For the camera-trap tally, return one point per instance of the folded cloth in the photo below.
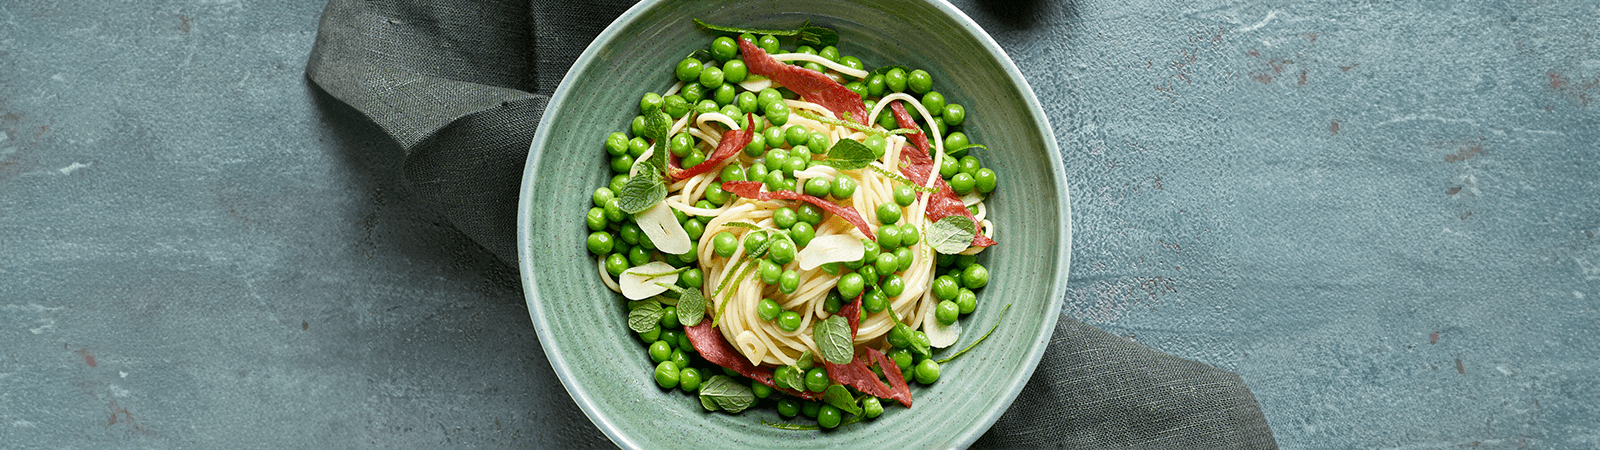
(461, 85)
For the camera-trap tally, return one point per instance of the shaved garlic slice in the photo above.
(636, 283)
(830, 249)
(664, 230)
(940, 336)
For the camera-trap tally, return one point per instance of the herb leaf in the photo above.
(691, 306)
(849, 154)
(902, 179)
(742, 225)
(951, 234)
(646, 317)
(980, 338)
(656, 125)
(833, 340)
(794, 379)
(806, 34)
(641, 192)
(721, 393)
(806, 361)
(840, 397)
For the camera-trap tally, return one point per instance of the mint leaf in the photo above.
(806, 361)
(641, 192)
(951, 234)
(849, 154)
(646, 317)
(721, 393)
(806, 34)
(840, 397)
(794, 378)
(656, 125)
(691, 306)
(833, 340)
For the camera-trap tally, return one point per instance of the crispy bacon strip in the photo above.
(711, 346)
(919, 164)
(751, 189)
(812, 86)
(732, 142)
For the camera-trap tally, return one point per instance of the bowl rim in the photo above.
(531, 166)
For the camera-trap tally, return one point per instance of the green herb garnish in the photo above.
(952, 234)
(806, 34)
(833, 339)
(721, 393)
(980, 338)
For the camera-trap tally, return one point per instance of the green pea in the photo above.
(705, 106)
(778, 114)
(795, 163)
(715, 195)
(769, 272)
(857, 87)
(788, 407)
(600, 242)
(815, 67)
(694, 158)
(817, 379)
(947, 312)
(888, 213)
(954, 114)
(757, 172)
(616, 263)
(768, 309)
(871, 407)
(621, 164)
(852, 62)
(775, 179)
(784, 217)
(596, 219)
(695, 227)
(679, 358)
(689, 379)
(806, 49)
(851, 284)
(962, 183)
(674, 338)
(666, 373)
(875, 301)
(830, 53)
(903, 254)
(680, 144)
(895, 80)
(967, 301)
(933, 102)
(660, 351)
(970, 165)
(948, 168)
(637, 146)
(650, 101)
(843, 187)
(755, 148)
(870, 252)
(819, 143)
(955, 141)
(909, 235)
(616, 186)
(919, 81)
(675, 105)
(735, 71)
(630, 233)
(887, 263)
(767, 97)
(816, 187)
(782, 251)
(878, 145)
(692, 278)
(904, 195)
(617, 144)
(974, 276)
(802, 233)
(669, 317)
(789, 321)
(688, 70)
(811, 214)
(901, 355)
(731, 172)
(768, 43)
(724, 96)
(796, 135)
(829, 416)
(876, 85)
(746, 102)
(927, 371)
(650, 337)
(754, 240)
(724, 244)
(724, 48)
(760, 390)
(788, 282)
(833, 301)
(780, 376)
(637, 126)
(984, 180)
(893, 286)
(693, 92)
(886, 120)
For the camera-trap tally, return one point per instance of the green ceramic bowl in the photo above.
(582, 325)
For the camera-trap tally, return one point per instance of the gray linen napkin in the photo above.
(461, 85)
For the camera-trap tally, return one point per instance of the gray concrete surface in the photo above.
(1383, 216)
